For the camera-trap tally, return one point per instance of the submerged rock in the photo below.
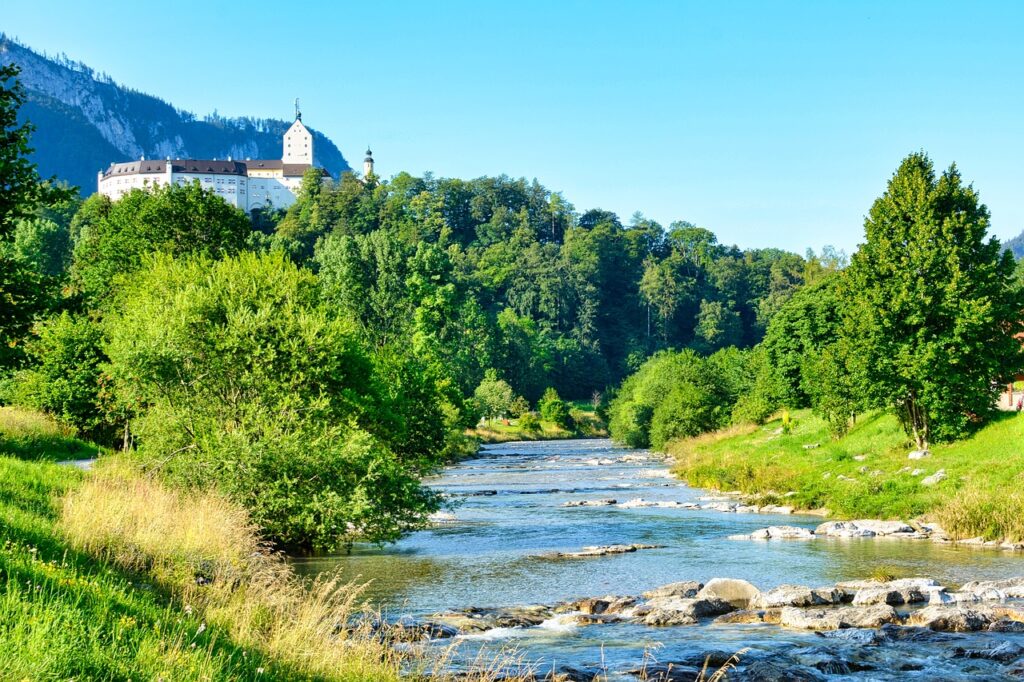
(738, 593)
(598, 551)
(1005, 652)
(590, 503)
(771, 671)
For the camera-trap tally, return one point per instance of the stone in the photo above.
(1004, 652)
(599, 551)
(952, 618)
(683, 588)
(919, 454)
(856, 528)
(746, 616)
(771, 671)
(837, 618)
(859, 458)
(738, 593)
(665, 672)
(797, 595)
(1005, 625)
(777, 533)
(412, 631)
(695, 607)
(842, 477)
(812, 446)
(590, 503)
(917, 472)
(935, 478)
(896, 592)
(1013, 588)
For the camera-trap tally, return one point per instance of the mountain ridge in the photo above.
(85, 121)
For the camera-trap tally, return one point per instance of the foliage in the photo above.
(760, 461)
(494, 396)
(677, 394)
(66, 380)
(555, 410)
(933, 305)
(241, 380)
(175, 219)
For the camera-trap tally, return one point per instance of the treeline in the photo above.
(922, 322)
(315, 363)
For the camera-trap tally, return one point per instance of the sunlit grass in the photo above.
(867, 473)
(28, 434)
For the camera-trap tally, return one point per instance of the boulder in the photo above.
(772, 671)
(1012, 588)
(738, 593)
(952, 618)
(746, 616)
(666, 672)
(838, 617)
(919, 454)
(1004, 652)
(935, 478)
(684, 588)
(797, 595)
(777, 533)
(680, 611)
(903, 591)
(857, 528)
(599, 551)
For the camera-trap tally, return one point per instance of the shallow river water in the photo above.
(509, 511)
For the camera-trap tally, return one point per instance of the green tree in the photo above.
(934, 307)
(175, 219)
(494, 396)
(555, 410)
(240, 379)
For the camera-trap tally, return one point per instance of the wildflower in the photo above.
(259, 671)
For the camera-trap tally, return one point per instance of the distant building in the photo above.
(249, 185)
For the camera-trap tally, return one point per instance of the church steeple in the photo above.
(368, 164)
(298, 141)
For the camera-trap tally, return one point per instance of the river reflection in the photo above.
(509, 511)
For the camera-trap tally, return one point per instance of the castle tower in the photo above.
(368, 164)
(298, 141)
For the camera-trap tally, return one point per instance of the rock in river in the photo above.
(777, 533)
(739, 593)
(838, 617)
(797, 595)
(599, 550)
(684, 588)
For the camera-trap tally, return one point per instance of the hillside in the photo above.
(1016, 245)
(85, 121)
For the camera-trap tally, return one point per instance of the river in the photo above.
(508, 513)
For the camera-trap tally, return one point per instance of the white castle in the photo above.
(249, 185)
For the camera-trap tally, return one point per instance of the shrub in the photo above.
(555, 410)
(241, 381)
(529, 422)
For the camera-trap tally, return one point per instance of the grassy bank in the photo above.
(112, 575)
(587, 424)
(866, 474)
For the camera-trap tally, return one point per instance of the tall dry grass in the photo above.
(205, 551)
(990, 514)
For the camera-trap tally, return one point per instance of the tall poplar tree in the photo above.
(934, 305)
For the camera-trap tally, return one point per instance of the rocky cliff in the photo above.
(84, 121)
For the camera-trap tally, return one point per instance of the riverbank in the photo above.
(586, 424)
(109, 574)
(970, 487)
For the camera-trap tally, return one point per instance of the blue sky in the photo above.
(770, 123)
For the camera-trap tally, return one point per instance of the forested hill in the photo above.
(1016, 245)
(85, 121)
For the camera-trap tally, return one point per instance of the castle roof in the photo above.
(204, 166)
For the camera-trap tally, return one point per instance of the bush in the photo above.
(555, 410)
(241, 381)
(529, 422)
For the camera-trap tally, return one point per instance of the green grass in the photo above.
(30, 435)
(588, 425)
(985, 470)
(64, 615)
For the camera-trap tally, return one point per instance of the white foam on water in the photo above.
(562, 623)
